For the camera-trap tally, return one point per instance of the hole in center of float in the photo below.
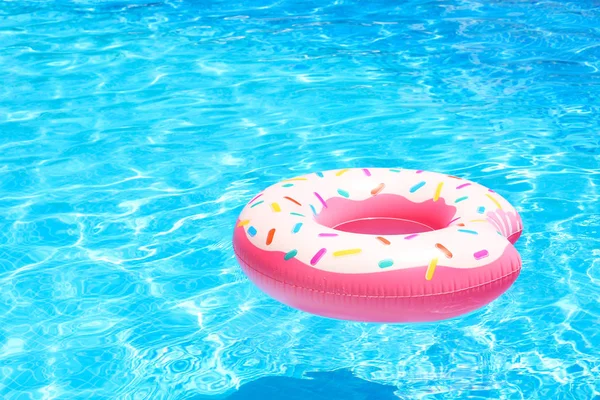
(386, 214)
(383, 226)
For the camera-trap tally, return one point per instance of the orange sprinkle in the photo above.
(383, 240)
(292, 200)
(461, 224)
(444, 250)
(270, 236)
(454, 177)
(378, 189)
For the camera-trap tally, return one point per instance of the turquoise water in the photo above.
(132, 134)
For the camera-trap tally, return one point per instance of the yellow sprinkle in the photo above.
(346, 252)
(296, 179)
(494, 200)
(436, 196)
(275, 207)
(244, 222)
(339, 173)
(431, 269)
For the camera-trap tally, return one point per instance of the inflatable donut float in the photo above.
(380, 245)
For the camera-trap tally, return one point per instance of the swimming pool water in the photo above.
(133, 133)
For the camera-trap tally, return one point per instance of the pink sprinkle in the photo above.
(321, 199)
(328, 234)
(411, 236)
(481, 254)
(463, 185)
(257, 196)
(491, 190)
(419, 171)
(318, 256)
(455, 219)
(367, 172)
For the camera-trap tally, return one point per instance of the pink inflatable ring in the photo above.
(380, 245)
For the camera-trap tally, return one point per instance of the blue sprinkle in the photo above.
(252, 231)
(313, 209)
(319, 174)
(417, 186)
(343, 193)
(297, 227)
(468, 231)
(481, 210)
(461, 199)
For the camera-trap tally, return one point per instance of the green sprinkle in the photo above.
(297, 214)
(257, 203)
(290, 254)
(461, 199)
(288, 185)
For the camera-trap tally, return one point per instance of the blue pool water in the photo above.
(133, 133)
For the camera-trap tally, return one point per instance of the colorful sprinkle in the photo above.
(417, 186)
(461, 199)
(378, 189)
(296, 179)
(251, 231)
(343, 193)
(455, 219)
(292, 200)
(318, 256)
(328, 234)
(383, 240)
(290, 254)
(243, 223)
(453, 177)
(419, 171)
(319, 174)
(367, 172)
(270, 236)
(321, 199)
(494, 201)
(275, 207)
(431, 269)
(479, 220)
(444, 250)
(461, 224)
(395, 170)
(341, 172)
(468, 231)
(297, 227)
(385, 263)
(348, 252)
(481, 254)
(438, 191)
(255, 197)
(414, 235)
(464, 185)
(257, 203)
(481, 210)
(288, 185)
(297, 214)
(313, 209)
